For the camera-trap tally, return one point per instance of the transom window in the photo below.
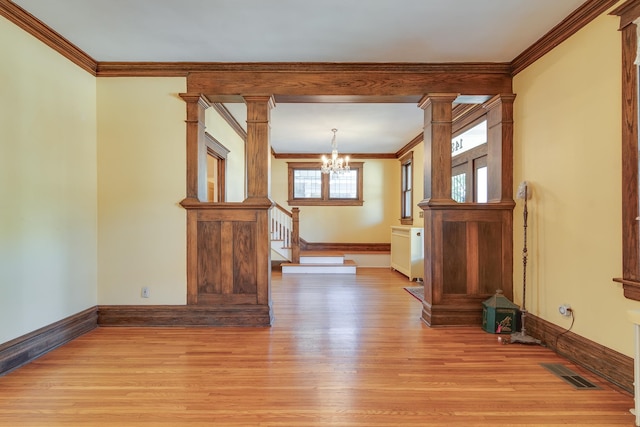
(469, 165)
(309, 186)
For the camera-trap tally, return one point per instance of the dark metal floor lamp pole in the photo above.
(522, 337)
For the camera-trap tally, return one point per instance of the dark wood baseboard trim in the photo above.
(185, 315)
(460, 313)
(609, 364)
(345, 247)
(24, 349)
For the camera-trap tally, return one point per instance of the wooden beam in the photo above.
(222, 86)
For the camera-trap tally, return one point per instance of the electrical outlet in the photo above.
(145, 292)
(565, 310)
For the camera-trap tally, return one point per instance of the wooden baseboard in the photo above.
(185, 315)
(24, 349)
(345, 247)
(460, 313)
(609, 364)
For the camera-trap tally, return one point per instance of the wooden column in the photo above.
(228, 247)
(500, 147)
(437, 147)
(437, 179)
(258, 148)
(467, 246)
(196, 147)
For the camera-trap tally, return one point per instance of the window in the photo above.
(308, 186)
(406, 190)
(469, 165)
(482, 180)
(459, 184)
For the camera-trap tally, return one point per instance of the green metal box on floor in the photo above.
(499, 315)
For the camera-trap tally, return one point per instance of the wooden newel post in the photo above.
(295, 235)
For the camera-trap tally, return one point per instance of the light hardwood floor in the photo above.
(344, 350)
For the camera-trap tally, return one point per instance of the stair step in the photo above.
(347, 267)
(321, 259)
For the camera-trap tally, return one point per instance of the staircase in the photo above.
(285, 247)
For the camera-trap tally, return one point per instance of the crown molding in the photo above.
(565, 29)
(318, 156)
(231, 121)
(171, 69)
(628, 12)
(45, 34)
(579, 18)
(410, 145)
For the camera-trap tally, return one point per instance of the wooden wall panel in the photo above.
(209, 268)
(454, 256)
(244, 258)
(468, 253)
(489, 256)
(232, 256)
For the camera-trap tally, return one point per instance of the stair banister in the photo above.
(285, 226)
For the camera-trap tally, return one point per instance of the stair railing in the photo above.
(285, 226)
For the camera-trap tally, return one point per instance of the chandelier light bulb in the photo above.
(336, 164)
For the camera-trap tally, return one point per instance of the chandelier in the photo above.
(335, 164)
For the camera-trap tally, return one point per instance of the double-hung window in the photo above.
(406, 189)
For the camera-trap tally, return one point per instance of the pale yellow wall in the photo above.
(418, 183)
(217, 127)
(48, 231)
(141, 180)
(369, 223)
(567, 144)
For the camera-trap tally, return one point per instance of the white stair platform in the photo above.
(347, 267)
(320, 263)
(321, 259)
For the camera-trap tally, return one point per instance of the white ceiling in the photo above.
(427, 31)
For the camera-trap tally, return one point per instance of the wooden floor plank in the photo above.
(345, 350)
